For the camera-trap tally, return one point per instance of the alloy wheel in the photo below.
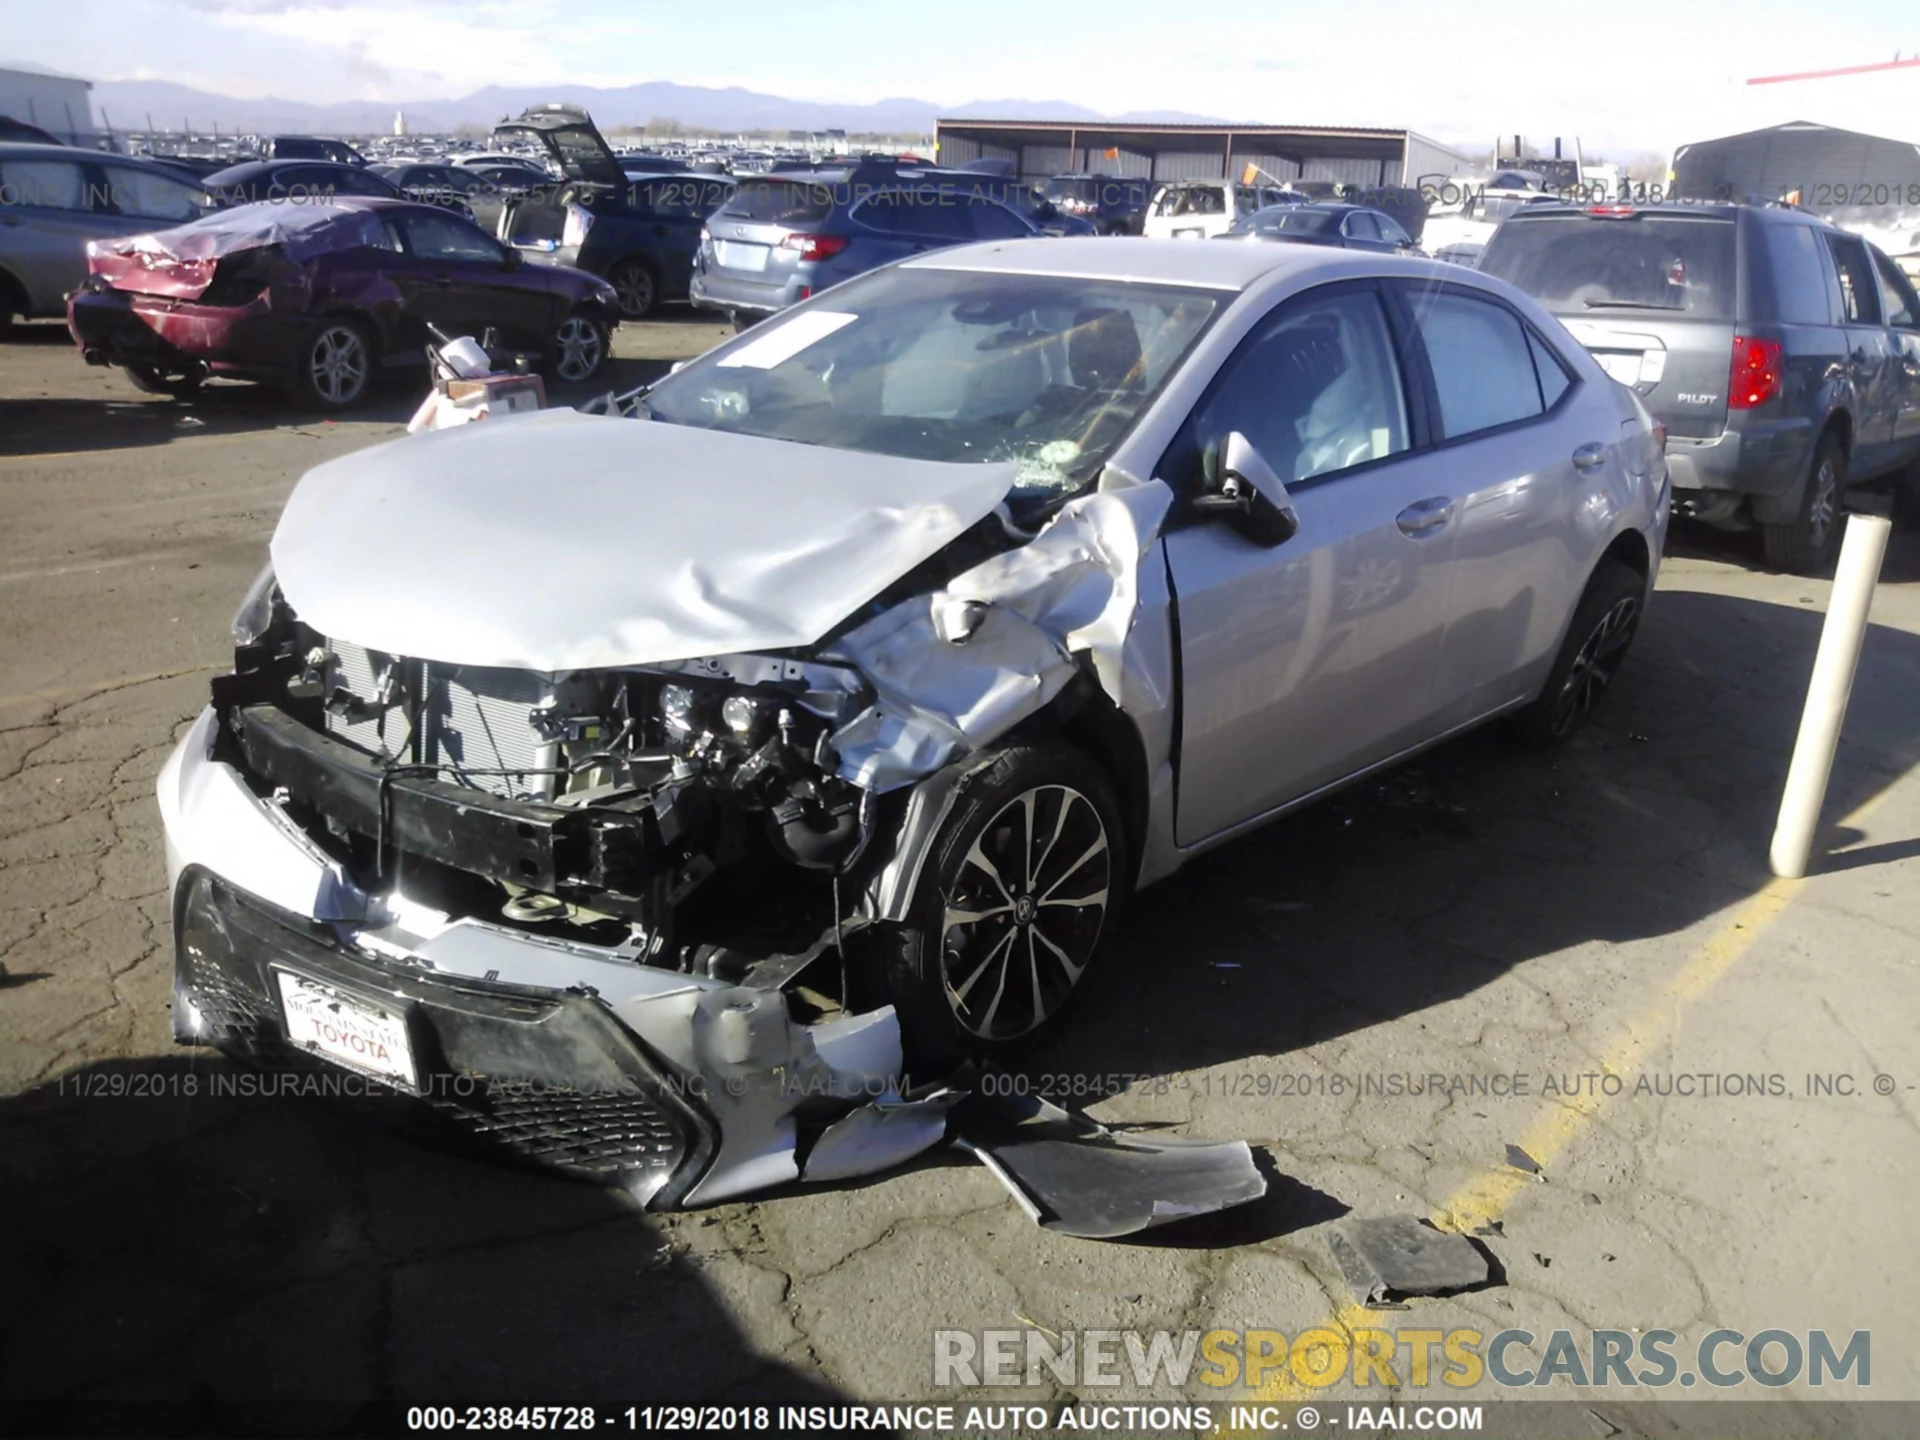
(1822, 506)
(1024, 916)
(579, 345)
(1594, 667)
(634, 286)
(337, 365)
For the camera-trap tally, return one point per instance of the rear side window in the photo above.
(781, 202)
(1577, 263)
(996, 222)
(1902, 305)
(1482, 362)
(1554, 381)
(149, 196)
(1800, 286)
(1859, 296)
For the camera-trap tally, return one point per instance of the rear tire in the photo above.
(1017, 896)
(335, 366)
(578, 350)
(633, 282)
(1807, 544)
(1603, 627)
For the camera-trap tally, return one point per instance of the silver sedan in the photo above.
(828, 699)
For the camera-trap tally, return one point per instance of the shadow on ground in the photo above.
(1432, 880)
(170, 1240)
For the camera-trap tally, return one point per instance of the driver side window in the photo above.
(1317, 388)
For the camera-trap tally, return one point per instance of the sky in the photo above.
(1623, 75)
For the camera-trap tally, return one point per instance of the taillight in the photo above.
(1755, 377)
(574, 232)
(814, 247)
(1660, 436)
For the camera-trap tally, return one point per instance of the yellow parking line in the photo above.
(1485, 1198)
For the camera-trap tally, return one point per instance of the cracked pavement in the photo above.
(1480, 912)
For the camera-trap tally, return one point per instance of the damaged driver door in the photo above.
(1308, 657)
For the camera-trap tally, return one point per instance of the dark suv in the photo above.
(1782, 354)
(637, 231)
(1115, 206)
(784, 236)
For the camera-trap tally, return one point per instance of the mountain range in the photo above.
(127, 104)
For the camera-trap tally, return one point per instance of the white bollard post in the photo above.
(1861, 551)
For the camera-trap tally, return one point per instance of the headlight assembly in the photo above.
(255, 615)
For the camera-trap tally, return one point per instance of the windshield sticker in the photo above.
(787, 340)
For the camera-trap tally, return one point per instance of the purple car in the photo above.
(318, 296)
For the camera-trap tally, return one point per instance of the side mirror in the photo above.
(1243, 490)
(514, 259)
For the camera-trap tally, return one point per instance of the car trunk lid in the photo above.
(573, 141)
(749, 232)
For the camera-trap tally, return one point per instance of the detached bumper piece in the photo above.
(1074, 1175)
(554, 1077)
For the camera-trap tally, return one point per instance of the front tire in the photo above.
(1808, 543)
(1017, 897)
(335, 366)
(578, 350)
(1604, 624)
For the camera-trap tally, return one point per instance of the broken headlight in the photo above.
(255, 615)
(676, 707)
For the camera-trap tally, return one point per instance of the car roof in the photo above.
(1093, 257)
(33, 150)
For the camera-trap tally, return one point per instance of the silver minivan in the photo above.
(54, 198)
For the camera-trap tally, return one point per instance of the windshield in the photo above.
(1575, 263)
(1046, 371)
(783, 202)
(1192, 200)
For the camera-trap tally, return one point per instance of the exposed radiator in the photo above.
(473, 718)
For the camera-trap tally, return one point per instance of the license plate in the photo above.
(361, 1034)
(734, 255)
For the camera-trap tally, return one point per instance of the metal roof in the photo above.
(1103, 127)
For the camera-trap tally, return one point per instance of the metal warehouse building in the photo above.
(1828, 167)
(58, 104)
(1347, 155)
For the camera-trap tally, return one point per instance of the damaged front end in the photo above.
(595, 895)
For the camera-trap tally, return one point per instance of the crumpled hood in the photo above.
(559, 541)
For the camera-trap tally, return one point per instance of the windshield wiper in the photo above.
(1627, 305)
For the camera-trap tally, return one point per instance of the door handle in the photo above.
(1590, 456)
(1424, 515)
(443, 280)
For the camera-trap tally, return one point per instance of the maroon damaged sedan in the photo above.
(319, 296)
